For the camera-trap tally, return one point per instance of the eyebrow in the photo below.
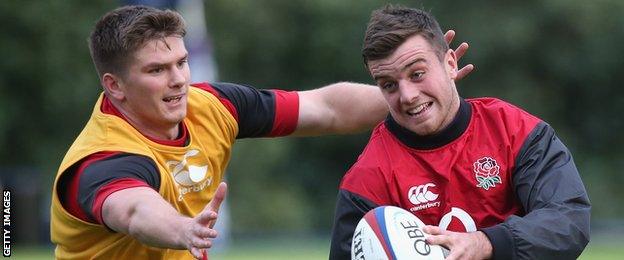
(402, 69)
(158, 64)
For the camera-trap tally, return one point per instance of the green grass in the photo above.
(32, 252)
(603, 248)
(304, 249)
(603, 253)
(309, 249)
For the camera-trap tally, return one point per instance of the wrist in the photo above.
(485, 245)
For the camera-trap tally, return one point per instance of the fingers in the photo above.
(448, 36)
(201, 233)
(461, 50)
(433, 230)
(459, 53)
(437, 236)
(219, 196)
(201, 243)
(216, 201)
(197, 253)
(206, 217)
(464, 71)
(204, 232)
(200, 239)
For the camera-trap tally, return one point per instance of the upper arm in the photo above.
(119, 172)
(545, 172)
(259, 112)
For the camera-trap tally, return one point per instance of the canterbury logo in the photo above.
(185, 174)
(421, 194)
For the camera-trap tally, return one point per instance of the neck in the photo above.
(451, 132)
(155, 132)
(147, 128)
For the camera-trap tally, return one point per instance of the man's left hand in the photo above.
(460, 51)
(471, 245)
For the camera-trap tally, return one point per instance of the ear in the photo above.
(113, 86)
(450, 63)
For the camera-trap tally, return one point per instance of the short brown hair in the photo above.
(391, 25)
(119, 33)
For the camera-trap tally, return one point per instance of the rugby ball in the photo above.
(392, 233)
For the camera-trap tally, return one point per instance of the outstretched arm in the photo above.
(142, 213)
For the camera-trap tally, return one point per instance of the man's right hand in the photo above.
(143, 214)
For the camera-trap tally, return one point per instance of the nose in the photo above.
(408, 92)
(178, 77)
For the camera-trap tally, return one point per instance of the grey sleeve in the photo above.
(557, 209)
(350, 208)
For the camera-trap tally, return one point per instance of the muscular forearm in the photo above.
(158, 229)
(358, 107)
(144, 215)
(340, 108)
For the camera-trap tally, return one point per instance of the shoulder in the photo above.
(375, 154)
(369, 174)
(258, 112)
(497, 107)
(497, 113)
(122, 165)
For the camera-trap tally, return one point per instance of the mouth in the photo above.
(173, 99)
(419, 109)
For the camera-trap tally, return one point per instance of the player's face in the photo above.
(156, 85)
(419, 88)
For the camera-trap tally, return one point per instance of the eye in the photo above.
(417, 75)
(182, 62)
(155, 70)
(388, 86)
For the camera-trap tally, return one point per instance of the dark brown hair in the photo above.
(391, 25)
(119, 33)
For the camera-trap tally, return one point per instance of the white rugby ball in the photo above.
(392, 233)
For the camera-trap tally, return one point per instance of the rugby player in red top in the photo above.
(490, 180)
(143, 178)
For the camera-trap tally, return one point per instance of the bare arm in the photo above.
(142, 213)
(340, 108)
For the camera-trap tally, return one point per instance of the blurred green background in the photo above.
(561, 60)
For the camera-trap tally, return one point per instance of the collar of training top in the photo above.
(450, 133)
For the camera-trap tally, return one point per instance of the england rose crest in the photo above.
(486, 171)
